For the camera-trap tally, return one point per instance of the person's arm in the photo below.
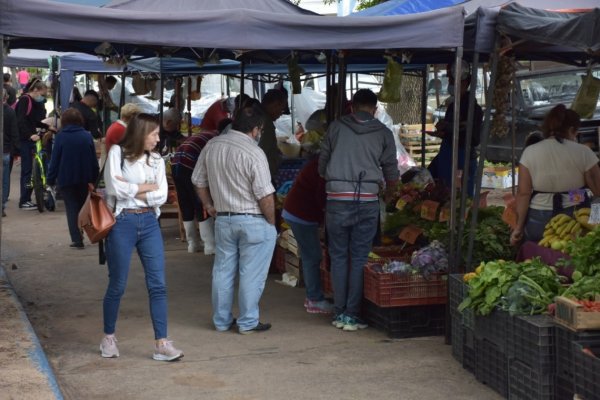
(522, 203)
(116, 185)
(55, 161)
(158, 196)
(592, 179)
(267, 207)
(389, 165)
(206, 200)
(326, 148)
(13, 131)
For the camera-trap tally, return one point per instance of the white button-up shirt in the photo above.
(120, 195)
(236, 172)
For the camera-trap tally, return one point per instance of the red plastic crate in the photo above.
(280, 259)
(390, 290)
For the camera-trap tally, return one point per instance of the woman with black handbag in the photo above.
(136, 187)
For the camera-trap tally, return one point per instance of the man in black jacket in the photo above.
(11, 146)
(11, 91)
(87, 108)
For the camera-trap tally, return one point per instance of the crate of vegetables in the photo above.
(578, 315)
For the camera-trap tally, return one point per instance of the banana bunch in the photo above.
(559, 231)
(582, 216)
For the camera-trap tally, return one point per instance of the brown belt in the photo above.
(137, 210)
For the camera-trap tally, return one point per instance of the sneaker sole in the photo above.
(338, 325)
(350, 328)
(162, 357)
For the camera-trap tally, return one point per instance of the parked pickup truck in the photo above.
(537, 93)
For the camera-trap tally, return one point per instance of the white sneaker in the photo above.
(108, 347)
(165, 351)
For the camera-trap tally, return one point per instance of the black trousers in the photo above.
(74, 197)
(189, 202)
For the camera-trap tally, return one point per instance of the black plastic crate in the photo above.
(564, 389)
(458, 338)
(493, 328)
(587, 370)
(531, 340)
(469, 359)
(405, 322)
(526, 383)
(491, 366)
(564, 349)
(455, 287)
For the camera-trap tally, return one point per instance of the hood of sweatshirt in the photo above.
(361, 123)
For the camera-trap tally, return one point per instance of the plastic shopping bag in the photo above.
(586, 99)
(392, 80)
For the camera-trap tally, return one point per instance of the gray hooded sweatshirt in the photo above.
(358, 148)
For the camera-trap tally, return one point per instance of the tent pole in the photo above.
(467, 150)
(189, 104)
(485, 133)
(341, 84)
(454, 167)
(122, 94)
(1, 127)
(424, 114)
(513, 131)
(162, 96)
(242, 71)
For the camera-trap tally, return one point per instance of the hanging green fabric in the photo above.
(392, 81)
(586, 99)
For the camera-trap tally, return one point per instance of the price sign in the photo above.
(429, 210)
(595, 214)
(445, 214)
(410, 234)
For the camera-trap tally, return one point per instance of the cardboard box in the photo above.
(571, 315)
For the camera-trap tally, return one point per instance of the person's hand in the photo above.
(35, 138)
(442, 128)
(120, 178)
(516, 236)
(211, 210)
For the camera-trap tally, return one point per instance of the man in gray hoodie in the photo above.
(357, 155)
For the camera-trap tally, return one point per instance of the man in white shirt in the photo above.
(234, 184)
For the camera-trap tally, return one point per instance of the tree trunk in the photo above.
(408, 110)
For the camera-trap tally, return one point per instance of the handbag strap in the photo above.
(101, 173)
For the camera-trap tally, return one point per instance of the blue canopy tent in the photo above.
(400, 7)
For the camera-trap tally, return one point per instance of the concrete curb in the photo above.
(36, 355)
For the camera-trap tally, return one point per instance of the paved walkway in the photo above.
(302, 357)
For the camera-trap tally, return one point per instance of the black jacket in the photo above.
(11, 131)
(90, 118)
(29, 121)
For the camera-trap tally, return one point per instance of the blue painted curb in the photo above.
(36, 354)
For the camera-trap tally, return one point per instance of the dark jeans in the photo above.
(309, 244)
(27, 148)
(351, 227)
(189, 202)
(74, 197)
(5, 178)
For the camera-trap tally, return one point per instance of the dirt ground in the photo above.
(302, 357)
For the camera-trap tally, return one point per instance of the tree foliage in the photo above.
(362, 4)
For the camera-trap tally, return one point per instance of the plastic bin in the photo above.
(526, 383)
(458, 338)
(491, 366)
(493, 328)
(565, 366)
(390, 290)
(587, 370)
(531, 340)
(405, 322)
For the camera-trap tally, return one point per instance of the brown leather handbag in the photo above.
(95, 218)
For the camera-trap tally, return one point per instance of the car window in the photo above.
(548, 89)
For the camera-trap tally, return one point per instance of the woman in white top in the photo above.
(552, 174)
(136, 186)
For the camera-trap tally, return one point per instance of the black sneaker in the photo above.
(28, 206)
(258, 328)
(77, 245)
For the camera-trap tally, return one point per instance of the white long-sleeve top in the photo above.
(120, 195)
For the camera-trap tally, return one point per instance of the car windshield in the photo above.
(543, 90)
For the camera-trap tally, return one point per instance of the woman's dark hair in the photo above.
(35, 83)
(71, 116)
(140, 126)
(533, 138)
(558, 121)
(249, 118)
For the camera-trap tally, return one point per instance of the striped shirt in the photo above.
(236, 172)
(188, 152)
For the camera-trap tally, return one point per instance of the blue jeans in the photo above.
(5, 178)
(243, 243)
(27, 148)
(536, 221)
(309, 245)
(351, 227)
(74, 197)
(142, 232)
